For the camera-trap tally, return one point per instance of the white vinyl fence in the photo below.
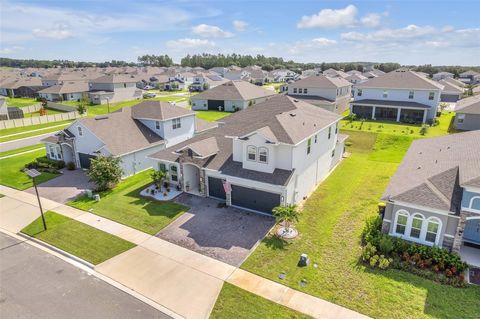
(31, 108)
(39, 120)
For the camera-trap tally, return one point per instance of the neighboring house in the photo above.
(469, 77)
(204, 82)
(456, 82)
(434, 197)
(113, 88)
(330, 93)
(67, 91)
(373, 73)
(60, 78)
(235, 74)
(219, 70)
(467, 115)
(356, 78)
(401, 96)
(282, 75)
(272, 154)
(230, 96)
(21, 87)
(335, 73)
(257, 76)
(311, 72)
(130, 134)
(450, 93)
(442, 75)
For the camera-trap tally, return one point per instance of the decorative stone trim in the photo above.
(203, 186)
(457, 242)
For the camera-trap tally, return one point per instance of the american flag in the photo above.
(227, 187)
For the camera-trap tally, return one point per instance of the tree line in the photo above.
(31, 63)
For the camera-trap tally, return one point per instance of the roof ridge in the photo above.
(437, 192)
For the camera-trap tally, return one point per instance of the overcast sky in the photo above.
(409, 32)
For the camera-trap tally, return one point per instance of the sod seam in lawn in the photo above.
(124, 205)
(76, 238)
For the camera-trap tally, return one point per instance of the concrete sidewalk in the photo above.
(182, 280)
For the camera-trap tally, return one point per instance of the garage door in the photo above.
(215, 188)
(254, 199)
(215, 104)
(471, 233)
(85, 159)
(449, 98)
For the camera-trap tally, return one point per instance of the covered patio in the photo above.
(395, 111)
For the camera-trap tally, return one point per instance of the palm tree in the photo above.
(158, 177)
(286, 214)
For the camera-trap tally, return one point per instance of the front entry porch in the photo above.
(394, 114)
(191, 179)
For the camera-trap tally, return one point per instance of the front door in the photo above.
(471, 234)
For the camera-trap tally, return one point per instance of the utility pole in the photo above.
(34, 173)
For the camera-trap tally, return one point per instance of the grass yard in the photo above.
(32, 130)
(49, 112)
(402, 129)
(11, 173)
(123, 204)
(22, 149)
(21, 101)
(212, 115)
(76, 238)
(234, 302)
(330, 226)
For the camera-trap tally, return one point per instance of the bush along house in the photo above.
(130, 134)
(270, 154)
(434, 197)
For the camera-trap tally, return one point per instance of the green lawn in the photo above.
(124, 205)
(21, 101)
(234, 302)
(212, 115)
(76, 238)
(22, 149)
(330, 226)
(11, 173)
(32, 130)
(412, 130)
(49, 112)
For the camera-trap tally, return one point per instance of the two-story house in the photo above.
(401, 96)
(230, 96)
(113, 88)
(467, 114)
(204, 82)
(130, 134)
(469, 77)
(330, 93)
(272, 154)
(442, 76)
(434, 197)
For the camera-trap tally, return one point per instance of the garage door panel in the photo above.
(254, 199)
(215, 188)
(215, 104)
(85, 159)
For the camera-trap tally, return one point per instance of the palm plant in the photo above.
(286, 214)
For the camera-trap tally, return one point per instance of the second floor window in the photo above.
(410, 95)
(294, 90)
(385, 94)
(174, 173)
(329, 132)
(300, 91)
(309, 145)
(80, 131)
(359, 92)
(252, 153)
(431, 96)
(305, 91)
(157, 125)
(316, 136)
(176, 124)
(262, 155)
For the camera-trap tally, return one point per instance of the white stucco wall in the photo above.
(138, 161)
(186, 131)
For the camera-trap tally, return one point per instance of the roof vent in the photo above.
(295, 100)
(419, 167)
(103, 117)
(293, 114)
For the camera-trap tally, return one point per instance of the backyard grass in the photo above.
(212, 115)
(330, 227)
(234, 302)
(31, 130)
(123, 204)
(49, 112)
(76, 238)
(403, 129)
(21, 101)
(22, 149)
(11, 173)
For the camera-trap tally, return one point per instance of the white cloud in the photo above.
(409, 32)
(210, 31)
(58, 32)
(10, 50)
(330, 18)
(302, 47)
(240, 25)
(188, 43)
(371, 20)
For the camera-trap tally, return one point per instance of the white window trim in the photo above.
(470, 204)
(80, 131)
(423, 230)
(258, 155)
(157, 125)
(248, 153)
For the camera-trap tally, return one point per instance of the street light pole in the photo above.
(34, 173)
(108, 105)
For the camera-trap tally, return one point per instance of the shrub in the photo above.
(424, 130)
(372, 230)
(105, 172)
(60, 164)
(368, 252)
(70, 166)
(385, 244)
(158, 177)
(383, 262)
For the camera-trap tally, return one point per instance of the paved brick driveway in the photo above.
(226, 234)
(64, 187)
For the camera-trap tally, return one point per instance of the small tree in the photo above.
(423, 130)
(158, 177)
(206, 86)
(105, 172)
(82, 106)
(286, 214)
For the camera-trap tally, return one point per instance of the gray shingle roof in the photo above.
(158, 110)
(115, 78)
(434, 169)
(450, 87)
(469, 105)
(234, 90)
(321, 81)
(67, 87)
(401, 79)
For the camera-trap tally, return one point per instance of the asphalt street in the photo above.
(24, 142)
(35, 284)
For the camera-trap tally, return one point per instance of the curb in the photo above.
(57, 250)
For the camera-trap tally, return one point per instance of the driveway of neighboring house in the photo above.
(227, 234)
(65, 187)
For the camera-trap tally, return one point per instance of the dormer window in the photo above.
(262, 155)
(251, 153)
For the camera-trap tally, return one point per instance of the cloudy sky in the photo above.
(409, 32)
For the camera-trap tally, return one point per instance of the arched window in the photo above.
(252, 153)
(263, 154)
(475, 203)
(433, 227)
(401, 222)
(417, 223)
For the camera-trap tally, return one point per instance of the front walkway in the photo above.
(179, 279)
